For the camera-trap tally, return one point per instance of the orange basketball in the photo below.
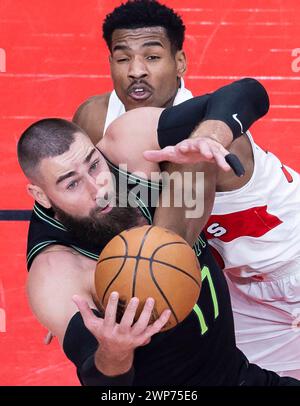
(153, 262)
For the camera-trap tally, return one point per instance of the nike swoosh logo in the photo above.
(234, 116)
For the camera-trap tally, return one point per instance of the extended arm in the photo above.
(211, 121)
(206, 143)
(196, 192)
(226, 113)
(238, 105)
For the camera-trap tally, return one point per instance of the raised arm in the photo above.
(212, 121)
(223, 116)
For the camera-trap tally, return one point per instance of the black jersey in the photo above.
(201, 350)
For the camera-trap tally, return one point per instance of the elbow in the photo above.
(262, 97)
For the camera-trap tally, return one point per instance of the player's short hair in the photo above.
(145, 13)
(45, 138)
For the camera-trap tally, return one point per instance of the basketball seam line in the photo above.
(173, 266)
(162, 293)
(119, 271)
(153, 260)
(138, 259)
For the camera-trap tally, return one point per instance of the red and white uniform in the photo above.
(256, 232)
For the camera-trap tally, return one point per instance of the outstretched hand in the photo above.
(193, 150)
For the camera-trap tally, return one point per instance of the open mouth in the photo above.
(139, 93)
(107, 208)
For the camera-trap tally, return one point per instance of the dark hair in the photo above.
(43, 139)
(145, 13)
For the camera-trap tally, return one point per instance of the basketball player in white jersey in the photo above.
(255, 226)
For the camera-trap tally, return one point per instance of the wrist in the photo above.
(113, 364)
(216, 130)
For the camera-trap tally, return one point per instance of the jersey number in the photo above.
(205, 274)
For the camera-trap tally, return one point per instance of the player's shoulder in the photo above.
(91, 115)
(55, 276)
(60, 268)
(92, 105)
(55, 260)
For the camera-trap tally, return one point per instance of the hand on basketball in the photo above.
(125, 336)
(192, 150)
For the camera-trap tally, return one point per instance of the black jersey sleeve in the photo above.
(238, 104)
(80, 346)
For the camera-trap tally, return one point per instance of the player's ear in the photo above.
(181, 63)
(38, 195)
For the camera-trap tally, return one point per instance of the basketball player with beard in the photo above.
(74, 217)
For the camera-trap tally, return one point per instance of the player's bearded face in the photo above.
(100, 228)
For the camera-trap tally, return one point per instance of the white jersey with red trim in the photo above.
(256, 229)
